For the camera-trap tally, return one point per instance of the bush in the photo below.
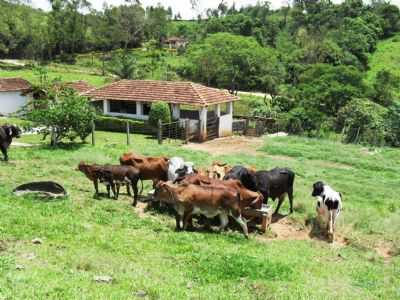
(393, 125)
(63, 112)
(68, 58)
(363, 121)
(159, 111)
(119, 124)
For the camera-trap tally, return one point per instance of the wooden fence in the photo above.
(254, 126)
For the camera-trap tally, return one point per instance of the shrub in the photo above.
(119, 124)
(393, 125)
(363, 122)
(63, 112)
(159, 111)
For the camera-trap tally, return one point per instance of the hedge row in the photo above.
(119, 125)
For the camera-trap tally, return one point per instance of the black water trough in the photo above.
(41, 188)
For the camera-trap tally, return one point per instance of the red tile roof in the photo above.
(80, 86)
(177, 92)
(14, 85)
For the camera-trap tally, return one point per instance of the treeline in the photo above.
(72, 26)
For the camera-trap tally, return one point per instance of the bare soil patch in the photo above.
(229, 145)
(385, 250)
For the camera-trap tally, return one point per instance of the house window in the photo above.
(146, 109)
(123, 107)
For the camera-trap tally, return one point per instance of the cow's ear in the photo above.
(138, 160)
(222, 164)
(8, 130)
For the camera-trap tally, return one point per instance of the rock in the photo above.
(37, 241)
(29, 256)
(141, 294)
(19, 267)
(103, 279)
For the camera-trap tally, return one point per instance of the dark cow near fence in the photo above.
(276, 183)
(7, 133)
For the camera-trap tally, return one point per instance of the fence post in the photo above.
(93, 133)
(159, 133)
(128, 138)
(187, 131)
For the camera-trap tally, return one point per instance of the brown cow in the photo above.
(113, 176)
(218, 170)
(190, 199)
(247, 198)
(150, 168)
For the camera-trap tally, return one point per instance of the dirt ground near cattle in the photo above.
(229, 145)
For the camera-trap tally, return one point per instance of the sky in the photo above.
(181, 6)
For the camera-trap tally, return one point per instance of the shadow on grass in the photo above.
(316, 231)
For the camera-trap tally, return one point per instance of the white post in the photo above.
(230, 108)
(218, 110)
(176, 112)
(203, 123)
(139, 109)
(105, 107)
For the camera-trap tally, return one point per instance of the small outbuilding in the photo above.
(175, 42)
(209, 110)
(13, 94)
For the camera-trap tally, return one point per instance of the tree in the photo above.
(124, 65)
(63, 113)
(225, 60)
(159, 111)
(384, 87)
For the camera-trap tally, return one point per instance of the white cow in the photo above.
(177, 168)
(329, 205)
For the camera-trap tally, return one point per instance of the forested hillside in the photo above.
(326, 67)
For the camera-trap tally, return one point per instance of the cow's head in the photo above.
(13, 131)
(318, 189)
(162, 192)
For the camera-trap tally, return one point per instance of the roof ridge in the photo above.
(194, 87)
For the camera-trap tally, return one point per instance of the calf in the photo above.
(7, 133)
(178, 168)
(150, 168)
(329, 205)
(218, 170)
(276, 183)
(247, 198)
(244, 175)
(190, 199)
(113, 176)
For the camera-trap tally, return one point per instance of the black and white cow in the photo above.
(7, 133)
(329, 205)
(178, 168)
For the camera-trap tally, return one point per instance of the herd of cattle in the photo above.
(219, 190)
(216, 191)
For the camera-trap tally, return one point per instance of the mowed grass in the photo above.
(85, 237)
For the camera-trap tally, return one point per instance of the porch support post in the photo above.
(230, 108)
(218, 110)
(176, 112)
(105, 106)
(203, 123)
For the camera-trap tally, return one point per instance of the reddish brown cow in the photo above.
(150, 168)
(189, 199)
(247, 198)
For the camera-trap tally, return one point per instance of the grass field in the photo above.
(85, 237)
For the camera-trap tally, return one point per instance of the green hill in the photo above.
(386, 56)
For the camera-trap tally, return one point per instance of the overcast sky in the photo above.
(182, 6)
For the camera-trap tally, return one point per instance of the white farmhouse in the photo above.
(13, 94)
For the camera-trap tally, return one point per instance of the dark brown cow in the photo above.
(150, 168)
(189, 199)
(113, 176)
(7, 133)
(247, 198)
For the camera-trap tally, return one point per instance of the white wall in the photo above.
(10, 102)
(225, 125)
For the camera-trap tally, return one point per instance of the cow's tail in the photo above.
(291, 178)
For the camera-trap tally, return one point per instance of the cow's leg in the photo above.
(290, 195)
(118, 186)
(238, 218)
(281, 199)
(224, 221)
(96, 187)
(331, 224)
(113, 188)
(108, 191)
(178, 221)
(186, 219)
(4, 151)
(135, 192)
